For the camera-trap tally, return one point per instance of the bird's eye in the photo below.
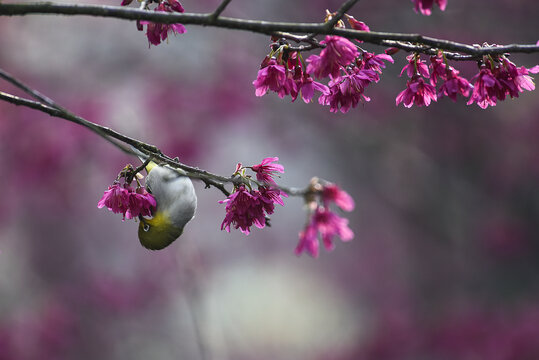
(146, 227)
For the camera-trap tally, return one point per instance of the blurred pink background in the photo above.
(445, 261)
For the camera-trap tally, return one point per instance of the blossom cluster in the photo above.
(497, 78)
(246, 206)
(156, 33)
(349, 70)
(322, 220)
(122, 198)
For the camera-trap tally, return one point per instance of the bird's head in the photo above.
(157, 232)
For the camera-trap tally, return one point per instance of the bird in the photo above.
(176, 203)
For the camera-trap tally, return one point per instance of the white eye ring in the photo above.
(146, 227)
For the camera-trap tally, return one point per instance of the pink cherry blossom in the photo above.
(332, 193)
(347, 91)
(454, 85)
(140, 203)
(308, 241)
(116, 199)
(269, 197)
(415, 66)
(246, 207)
(289, 87)
(486, 89)
(307, 86)
(329, 225)
(417, 92)
(337, 53)
(496, 81)
(356, 24)
(372, 61)
(243, 209)
(271, 77)
(265, 171)
(156, 33)
(438, 68)
(515, 79)
(425, 6)
(127, 201)
(175, 5)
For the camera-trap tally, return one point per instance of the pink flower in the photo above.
(247, 207)
(496, 82)
(289, 87)
(415, 66)
(356, 24)
(418, 92)
(116, 199)
(454, 85)
(438, 67)
(308, 241)
(272, 77)
(269, 197)
(332, 193)
(375, 62)
(175, 6)
(329, 225)
(516, 79)
(156, 33)
(307, 86)
(425, 6)
(140, 203)
(346, 91)
(243, 209)
(126, 2)
(265, 171)
(338, 52)
(486, 89)
(127, 201)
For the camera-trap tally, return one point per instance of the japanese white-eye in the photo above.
(176, 204)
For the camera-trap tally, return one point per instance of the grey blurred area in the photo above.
(444, 263)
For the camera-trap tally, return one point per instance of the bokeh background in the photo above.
(445, 259)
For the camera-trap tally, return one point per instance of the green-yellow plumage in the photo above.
(176, 204)
(158, 232)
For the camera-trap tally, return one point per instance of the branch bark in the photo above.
(400, 40)
(48, 106)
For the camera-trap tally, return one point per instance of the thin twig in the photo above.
(298, 38)
(429, 51)
(219, 10)
(98, 129)
(263, 27)
(33, 93)
(312, 42)
(110, 135)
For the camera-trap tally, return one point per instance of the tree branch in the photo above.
(117, 139)
(220, 9)
(33, 93)
(400, 40)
